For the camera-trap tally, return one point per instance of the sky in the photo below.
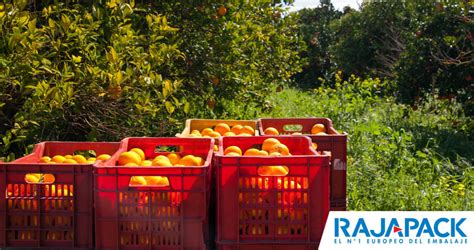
(338, 4)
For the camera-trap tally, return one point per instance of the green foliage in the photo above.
(315, 31)
(105, 70)
(398, 158)
(420, 45)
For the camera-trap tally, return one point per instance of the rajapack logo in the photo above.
(399, 230)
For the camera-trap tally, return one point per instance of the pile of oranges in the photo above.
(136, 157)
(222, 129)
(269, 147)
(73, 159)
(317, 129)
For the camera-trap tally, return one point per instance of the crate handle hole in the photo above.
(39, 178)
(293, 128)
(273, 171)
(149, 181)
(85, 153)
(168, 149)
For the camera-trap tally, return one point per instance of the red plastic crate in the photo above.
(55, 215)
(258, 212)
(171, 217)
(334, 142)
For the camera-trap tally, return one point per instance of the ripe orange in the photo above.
(139, 152)
(247, 129)
(279, 170)
(244, 134)
(137, 181)
(58, 158)
(48, 178)
(230, 133)
(200, 160)
(68, 156)
(280, 148)
(234, 149)
(236, 129)
(317, 128)
(69, 161)
(206, 131)
(275, 154)
(174, 158)
(222, 128)
(314, 145)
(103, 157)
(268, 143)
(271, 131)
(131, 164)
(157, 181)
(45, 159)
(79, 159)
(127, 157)
(321, 133)
(189, 160)
(32, 178)
(251, 151)
(255, 152)
(214, 134)
(162, 161)
(296, 133)
(146, 163)
(215, 148)
(232, 154)
(221, 11)
(196, 132)
(92, 159)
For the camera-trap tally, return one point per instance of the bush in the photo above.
(116, 68)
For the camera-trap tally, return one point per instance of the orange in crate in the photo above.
(324, 138)
(271, 200)
(155, 207)
(49, 205)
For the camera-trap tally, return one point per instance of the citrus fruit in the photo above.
(222, 128)
(103, 157)
(214, 134)
(68, 156)
(131, 164)
(234, 149)
(236, 129)
(247, 129)
(127, 157)
(162, 161)
(206, 131)
(268, 143)
(174, 158)
(279, 170)
(48, 178)
(45, 159)
(189, 160)
(245, 134)
(146, 163)
(271, 131)
(252, 152)
(200, 160)
(91, 159)
(314, 145)
(321, 133)
(139, 152)
(317, 128)
(221, 11)
(280, 148)
(230, 133)
(69, 161)
(32, 178)
(196, 132)
(155, 181)
(232, 154)
(275, 154)
(296, 133)
(137, 181)
(216, 148)
(79, 158)
(58, 158)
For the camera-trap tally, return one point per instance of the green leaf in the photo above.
(169, 107)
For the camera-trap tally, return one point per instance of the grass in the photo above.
(399, 158)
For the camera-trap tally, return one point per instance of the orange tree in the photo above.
(102, 70)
